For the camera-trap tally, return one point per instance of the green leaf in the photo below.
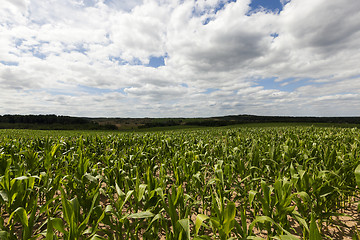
(141, 192)
(229, 216)
(22, 178)
(83, 225)
(21, 213)
(215, 222)
(118, 190)
(185, 224)
(357, 175)
(58, 224)
(75, 208)
(90, 178)
(200, 218)
(49, 230)
(326, 190)
(300, 219)
(202, 237)
(157, 217)
(146, 214)
(97, 237)
(4, 235)
(4, 196)
(66, 208)
(260, 219)
(252, 195)
(314, 230)
(288, 237)
(54, 149)
(109, 209)
(304, 196)
(159, 191)
(127, 197)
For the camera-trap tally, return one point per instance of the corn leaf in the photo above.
(200, 218)
(185, 224)
(146, 214)
(314, 230)
(357, 175)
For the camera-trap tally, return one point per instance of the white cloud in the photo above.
(141, 33)
(50, 48)
(15, 6)
(284, 2)
(123, 5)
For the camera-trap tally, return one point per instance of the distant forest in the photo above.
(51, 122)
(54, 122)
(241, 119)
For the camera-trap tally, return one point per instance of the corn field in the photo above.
(222, 183)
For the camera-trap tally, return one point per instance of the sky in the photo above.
(180, 58)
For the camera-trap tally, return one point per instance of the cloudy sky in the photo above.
(180, 58)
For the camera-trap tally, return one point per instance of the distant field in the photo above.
(247, 125)
(279, 181)
(54, 122)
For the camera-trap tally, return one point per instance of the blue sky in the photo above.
(176, 58)
(272, 5)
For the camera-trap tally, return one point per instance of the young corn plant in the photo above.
(77, 225)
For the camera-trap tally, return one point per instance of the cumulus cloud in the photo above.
(59, 56)
(326, 26)
(141, 33)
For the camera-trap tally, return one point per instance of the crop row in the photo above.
(245, 183)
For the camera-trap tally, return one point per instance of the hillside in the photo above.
(79, 123)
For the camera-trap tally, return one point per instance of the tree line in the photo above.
(51, 122)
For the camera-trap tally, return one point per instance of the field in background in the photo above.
(268, 181)
(54, 122)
